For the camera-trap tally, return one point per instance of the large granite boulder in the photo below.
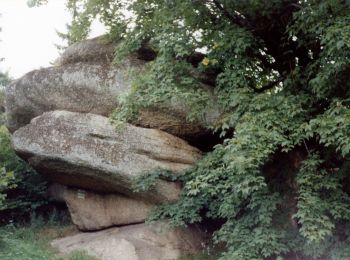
(84, 80)
(100, 49)
(172, 118)
(79, 87)
(97, 50)
(86, 151)
(134, 242)
(95, 211)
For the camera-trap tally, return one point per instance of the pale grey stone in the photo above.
(94, 211)
(85, 150)
(134, 242)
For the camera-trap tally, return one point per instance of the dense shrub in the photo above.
(23, 189)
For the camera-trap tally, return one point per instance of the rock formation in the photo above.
(85, 150)
(135, 242)
(93, 50)
(78, 87)
(94, 211)
(85, 81)
(59, 116)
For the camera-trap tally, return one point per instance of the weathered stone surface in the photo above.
(85, 151)
(86, 82)
(80, 87)
(173, 119)
(94, 211)
(96, 49)
(134, 242)
(100, 49)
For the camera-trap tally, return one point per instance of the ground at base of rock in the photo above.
(134, 242)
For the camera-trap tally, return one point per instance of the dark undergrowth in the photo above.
(30, 240)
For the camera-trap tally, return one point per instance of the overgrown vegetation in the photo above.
(280, 71)
(30, 241)
(22, 190)
(5, 176)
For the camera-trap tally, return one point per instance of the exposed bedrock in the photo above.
(96, 49)
(85, 150)
(135, 242)
(99, 49)
(79, 87)
(91, 210)
(59, 119)
(95, 211)
(84, 80)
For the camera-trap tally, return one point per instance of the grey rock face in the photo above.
(85, 81)
(96, 49)
(60, 124)
(94, 211)
(135, 242)
(84, 150)
(171, 119)
(80, 87)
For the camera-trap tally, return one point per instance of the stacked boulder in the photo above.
(60, 125)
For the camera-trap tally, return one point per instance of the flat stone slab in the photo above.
(134, 242)
(85, 151)
(96, 211)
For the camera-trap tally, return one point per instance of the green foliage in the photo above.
(5, 176)
(199, 257)
(24, 188)
(5, 179)
(280, 72)
(30, 241)
(4, 79)
(332, 127)
(147, 181)
(321, 201)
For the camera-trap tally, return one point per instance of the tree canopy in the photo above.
(280, 72)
